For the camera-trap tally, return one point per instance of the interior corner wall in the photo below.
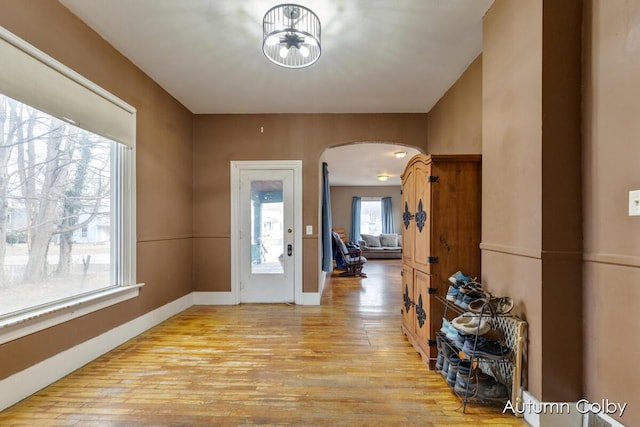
(455, 122)
(164, 176)
(511, 170)
(611, 272)
(220, 138)
(532, 216)
(341, 203)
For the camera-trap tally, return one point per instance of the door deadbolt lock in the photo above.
(289, 250)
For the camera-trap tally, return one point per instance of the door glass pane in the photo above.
(267, 227)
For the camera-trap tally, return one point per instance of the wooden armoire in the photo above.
(441, 204)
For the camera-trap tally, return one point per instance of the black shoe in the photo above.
(491, 349)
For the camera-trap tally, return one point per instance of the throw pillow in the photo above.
(389, 240)
(371, 240)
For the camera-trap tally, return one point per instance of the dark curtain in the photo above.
(354, 236)
(387, 216)
(327, 247)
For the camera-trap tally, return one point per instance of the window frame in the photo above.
(28, 321)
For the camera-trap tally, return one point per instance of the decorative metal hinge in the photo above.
(421, 216)
(432, 291)
(401, 273)
(432, 178)
(406, 215)
(420, 313)
(431, 343)
(432, 259)
(407, 301)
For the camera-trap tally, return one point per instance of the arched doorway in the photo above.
(354, 171)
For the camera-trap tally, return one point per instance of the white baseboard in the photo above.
(310, 298)
(560, 414)
(227, 298)
(24, 383)
(214, 298)
(549, 414)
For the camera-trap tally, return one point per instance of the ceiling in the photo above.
(373, 159)
(378, 56)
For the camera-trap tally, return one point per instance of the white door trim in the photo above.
(236, 167)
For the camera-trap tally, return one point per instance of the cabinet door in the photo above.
(421, 318)
(408, 310)
(408, 209)
(422, 219)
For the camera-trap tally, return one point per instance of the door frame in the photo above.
(236, 167)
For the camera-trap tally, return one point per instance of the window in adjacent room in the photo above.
(371, 216)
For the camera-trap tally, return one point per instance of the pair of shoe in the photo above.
(487, 348)
(469, 294)
(491, 305)
(457, 280)
(471, 324)
(477, 384)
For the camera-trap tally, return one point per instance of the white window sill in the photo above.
(23, 324)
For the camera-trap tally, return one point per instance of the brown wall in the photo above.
(611, 292)
(341, 203)
(218, 139)
(455, 122)
(532, 237)
(164, 180)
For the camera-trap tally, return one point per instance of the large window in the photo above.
(371, 216)
(67, 186)
(58, 221)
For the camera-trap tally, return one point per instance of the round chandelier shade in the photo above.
(291, 36)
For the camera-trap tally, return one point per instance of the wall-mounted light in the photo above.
(400, 154)
(383, 178)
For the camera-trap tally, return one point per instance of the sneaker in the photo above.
(462, 338)
(445, 326)
(471, 324)
(458, 278)
(472, 296)
(452, 293)
(493, 305)
(492, 391)
(481, 386)
(490, 349)
(454, 361)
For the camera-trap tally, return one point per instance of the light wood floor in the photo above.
(344, 363)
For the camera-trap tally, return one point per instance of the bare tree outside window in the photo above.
(55, 188)
(371, 216)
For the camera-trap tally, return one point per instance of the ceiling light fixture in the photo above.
(291, 36)
(383, 178)
(400, 154)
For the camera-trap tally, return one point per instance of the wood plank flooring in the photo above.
(344, 363)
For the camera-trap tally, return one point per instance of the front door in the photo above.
(266, 236)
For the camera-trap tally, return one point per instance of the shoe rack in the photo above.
(506, 370)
